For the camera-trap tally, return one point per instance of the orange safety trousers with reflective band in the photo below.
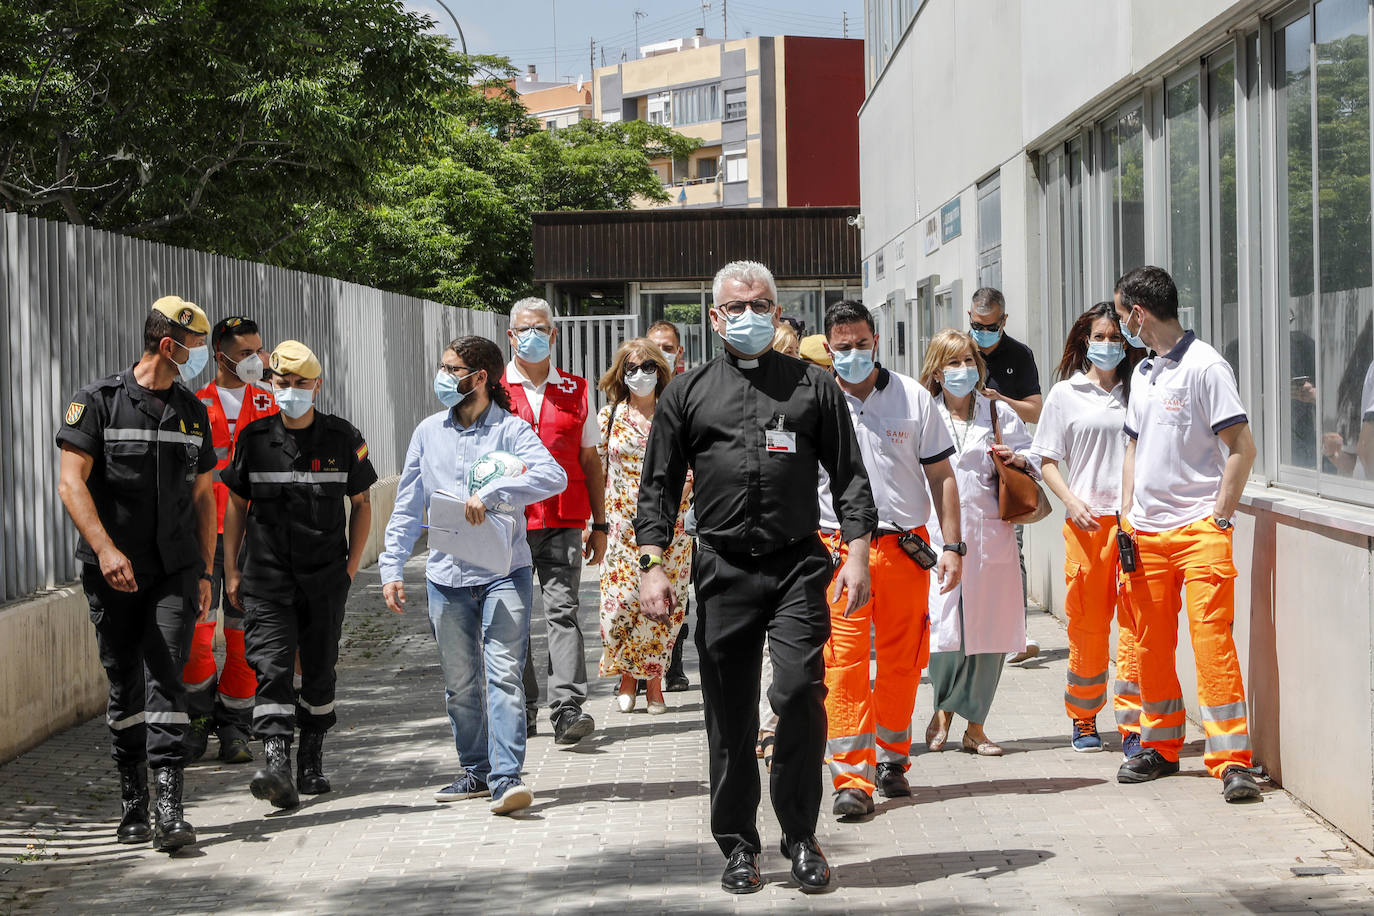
(869, 722)
(1196, 560)
(237, 682)
(1091, 566)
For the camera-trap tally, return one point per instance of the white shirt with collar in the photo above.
(899, 433)
(1180, 401)
(1081, 426)
(591, 433)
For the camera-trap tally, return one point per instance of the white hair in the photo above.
(531, 304)
(750, 273)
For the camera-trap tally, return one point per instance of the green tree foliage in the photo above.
(338, 136)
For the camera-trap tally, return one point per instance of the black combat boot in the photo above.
(133, 791)
(171, 831)
(273, 781)
(310, 764)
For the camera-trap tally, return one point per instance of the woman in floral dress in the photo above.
(635, 647)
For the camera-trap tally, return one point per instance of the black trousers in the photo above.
(144, 638)
(308, 619)
(740, 601)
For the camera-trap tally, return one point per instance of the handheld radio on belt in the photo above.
(1126, 547)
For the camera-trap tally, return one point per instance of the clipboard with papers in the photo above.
(488, 546)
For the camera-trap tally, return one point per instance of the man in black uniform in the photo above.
(754, 426)
(288, 480)
(135, 479)
(1014, 379)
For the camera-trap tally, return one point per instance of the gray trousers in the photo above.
(557, 555)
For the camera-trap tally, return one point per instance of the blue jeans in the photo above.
(482, 632)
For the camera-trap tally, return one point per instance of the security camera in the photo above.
(856, 221)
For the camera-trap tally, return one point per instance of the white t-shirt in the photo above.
(591, 433)
(1081, 426)
(231, 402)
(899, 432)
(1179, 402)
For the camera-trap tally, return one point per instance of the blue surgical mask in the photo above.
(852, 365)
(1106, 354)
(1131, 338)
(960, 382)
(532, 346)
(750, 333)
(447, 391)
(195, 363)
(294, 402)
(985, 339)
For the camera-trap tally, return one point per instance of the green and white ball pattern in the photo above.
(493, 466)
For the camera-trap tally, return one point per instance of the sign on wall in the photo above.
(949, 221)
(930, 234)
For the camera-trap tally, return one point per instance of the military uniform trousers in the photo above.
(144, 637)
(869, 722)
(741, 600)
(307, 617)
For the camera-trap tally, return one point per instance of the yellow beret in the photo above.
(813, 350)
(295, 357)
(186, 314)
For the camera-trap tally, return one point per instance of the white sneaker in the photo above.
(515, 797)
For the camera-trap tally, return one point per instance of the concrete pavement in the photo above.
(620, 821)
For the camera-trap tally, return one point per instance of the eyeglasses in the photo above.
(995, 326)
(541, 328)
(632, 368)
(735, 307)
(454, 370)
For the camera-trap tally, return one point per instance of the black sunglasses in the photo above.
(647, 364)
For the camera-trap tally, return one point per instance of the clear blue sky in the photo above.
(523, 30)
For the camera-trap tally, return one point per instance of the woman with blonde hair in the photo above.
(785, 340)
(633, 646)
(973, 627)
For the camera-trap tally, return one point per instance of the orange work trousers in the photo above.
(1197, 560)
(1091, 567)
(869, 722)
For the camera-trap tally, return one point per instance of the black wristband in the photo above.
(603, 527)
(207, 577)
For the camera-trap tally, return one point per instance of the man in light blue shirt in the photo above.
(480, 618)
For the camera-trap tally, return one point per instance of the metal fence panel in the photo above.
(73, 301)
(586, 346)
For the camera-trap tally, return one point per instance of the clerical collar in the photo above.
(743, 362)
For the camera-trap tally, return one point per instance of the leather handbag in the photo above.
(1020, 498)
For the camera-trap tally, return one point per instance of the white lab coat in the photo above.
(994, 615)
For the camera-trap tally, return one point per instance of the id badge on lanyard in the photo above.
(777, 437)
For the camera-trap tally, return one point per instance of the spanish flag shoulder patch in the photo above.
(361, 451)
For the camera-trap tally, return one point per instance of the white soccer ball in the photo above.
(494, 466)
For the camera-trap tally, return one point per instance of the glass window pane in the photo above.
(1226, 259)
(1129, 193)
(1293, 146)
(1185, 205)
(1341, 325)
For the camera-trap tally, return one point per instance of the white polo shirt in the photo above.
(591, 432)
(899, 432)
(1081, 426)
(1179, 402)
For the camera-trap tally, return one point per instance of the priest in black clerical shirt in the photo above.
(754, 426)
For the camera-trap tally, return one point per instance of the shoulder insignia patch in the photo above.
(74, 412)
(361, 451)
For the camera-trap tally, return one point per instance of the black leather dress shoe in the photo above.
(741, 875)
(1145, 767)
(571, 725)
(809, 867)
(891, 781)
(852, 803)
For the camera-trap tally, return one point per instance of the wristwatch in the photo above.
(603, 527)
(960, 548)
(207, 577)
(648, 561)
(1223, 523)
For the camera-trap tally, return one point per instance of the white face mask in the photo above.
(249, 369)
(642, 381)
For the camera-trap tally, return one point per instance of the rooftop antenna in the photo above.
(705, 8)
(639, 14)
